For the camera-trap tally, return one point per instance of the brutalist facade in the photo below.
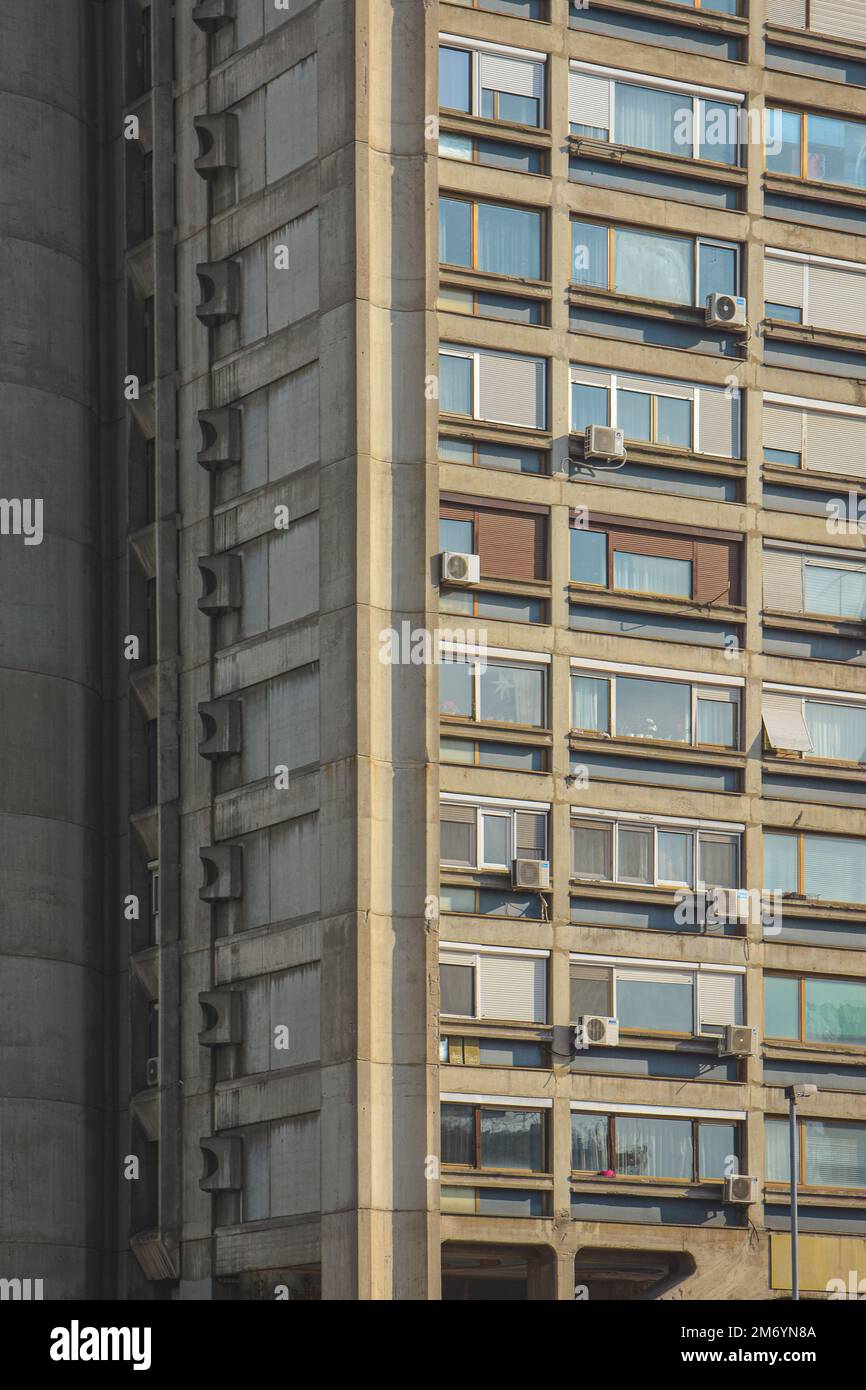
(433, 716)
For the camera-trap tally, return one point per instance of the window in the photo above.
(654, 855)
(493, 1052)
(665, 118)
(827, 293)
(832, 1153)
(823, 582)
(638, 559)
(652, 574)
(484, 304)
(652, 265)
(500, 387)
(518, 9)
(831, 867)
(507, 757)
(673, 414)
(825, 149)
(816, 1009)
(661, 998)
(664, 710)
(492, 82)
(493, 1138)
(496, 154)
(490, 237)
(824, 728)
(834, 589)
(493, 691)
(653, 1146)
(490, 836)
(489, 902)
(717, 6)
(484, 454)
(501, 985)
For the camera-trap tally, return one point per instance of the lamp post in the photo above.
(795, 1094)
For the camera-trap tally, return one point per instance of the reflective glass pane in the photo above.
(457, 989)
(455, 384)
(634, 414)
(453, 146)
(652, 574)
(836, 1011)
(783, 136)
(778, 1150)
(717, 723)
(455, 688)
(455, 232)
(839, 592)
(655, 1008)
(590, 991)
(590, 405)
(835, 1154)
(456, 536)
(589, 244)
(512, 695)
(674, 422)
(651, 1148)
(590, 1152)
(511, 1139)
(781, 1007)
(588, 556)
(455, 79)
(719, 131)
(837, 731)
(649, 119)
(835, 868)
(653, 709)
(590, 851)
(458, 1134)
(634, 855)
(509, 241)
(780, 864)
(654, 265)
(718, 863)
(589, 704)
(717, 1151)
(717, 270)
(519, 110)
(836, 151)
(497, 839)
(675, 857)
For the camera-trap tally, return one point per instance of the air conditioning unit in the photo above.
(459, 569)
(726, 310)
(603, 442)
(737, 1041)
(598, 1030)
(741, 1191)
(530, 873)
(151, 1071)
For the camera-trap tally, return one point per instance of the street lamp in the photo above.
(795, 1094)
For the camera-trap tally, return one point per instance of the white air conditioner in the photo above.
(737, 1041)
(598, 1030)
(151, 1071)
(603, 442)
(459, 569)
(530, 873)
(741, 1191)
(726, 310)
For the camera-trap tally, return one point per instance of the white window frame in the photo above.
(474, 956)
(619, 381)
(689, 970)
(700, 689)
(629, 820)
(487, 805)
(475, 50)
(695, 92)
(474, 358)
(493, 657)
(697, 241)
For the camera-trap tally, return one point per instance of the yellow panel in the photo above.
(458, 1201)
(822, 1258)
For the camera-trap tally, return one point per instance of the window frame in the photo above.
(619, 381)
(476, 1107)
(475, 202)
(801, 980)
(696, 240)
(487, 662)
(696, 1122)
(476, 90)
(695, 833)
(697, 692)
(506, 812)
(802, 1168)
(800, 837)
(803, 117)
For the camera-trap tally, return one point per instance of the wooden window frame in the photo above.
(695, 1121)
(474, 203)
(476, 1165)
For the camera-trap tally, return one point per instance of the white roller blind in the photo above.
(791, 13)
(589, 377)
(783, 580)
(718, 423)
(783, 428)
(515, 75)
(512, 390)
(785, 723)
(836, 443)
(456, 958)
(845, 19)
(513, 987)
(655, 977)
(720, 999)
(783, 281)
(837, 298)
(589, 100)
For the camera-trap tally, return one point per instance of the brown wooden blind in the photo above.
(512, 545)
(449, 511)
(715, 576)
(651, 543)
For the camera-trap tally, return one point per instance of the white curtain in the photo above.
(837, 731)
(654, 266)
(653, 1148)
(652, 574)
(589, 704)
(648, 119)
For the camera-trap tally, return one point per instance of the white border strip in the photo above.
(497, 653)
(461, 799)
(460, 1096)
(806, 258)
(645, 818)
(482, 46)
(666, 673)
(659, 964)
(841, 696)
(646, 80)
(598, 1107)
(493, 950)
(807, 403)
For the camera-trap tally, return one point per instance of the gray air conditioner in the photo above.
(604, 442)
(737, 1041)
(726, 311)
(459, 569)
(741, 1191)
(598, 1030)
(530, 873)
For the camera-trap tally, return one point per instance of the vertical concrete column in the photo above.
(52, 1194)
